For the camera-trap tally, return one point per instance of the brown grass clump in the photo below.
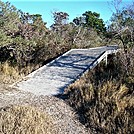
(8, 74)
(103, 102)
(24, 120)
(108, 109)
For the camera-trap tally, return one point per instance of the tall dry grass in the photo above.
(104, 100)
(10, 74)
(24, 120)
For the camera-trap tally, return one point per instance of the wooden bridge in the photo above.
(53, 78)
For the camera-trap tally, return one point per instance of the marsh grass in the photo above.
(104, 100)
(10, 74)
(24, 120)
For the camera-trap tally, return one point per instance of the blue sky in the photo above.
(73, 7)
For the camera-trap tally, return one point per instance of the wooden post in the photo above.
(106, 58)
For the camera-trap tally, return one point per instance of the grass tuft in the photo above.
(24, 120)
(8, 73)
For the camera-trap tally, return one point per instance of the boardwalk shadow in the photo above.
(80, 69)
(77, 61)
(71, 62)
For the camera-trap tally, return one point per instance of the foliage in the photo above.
(122, 26)
(91, 20)
(60, 18)
(25, 40)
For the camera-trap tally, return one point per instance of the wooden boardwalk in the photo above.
(53, 78)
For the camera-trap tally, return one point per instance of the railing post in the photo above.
(106, 58)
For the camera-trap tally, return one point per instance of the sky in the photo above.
(74, 8)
